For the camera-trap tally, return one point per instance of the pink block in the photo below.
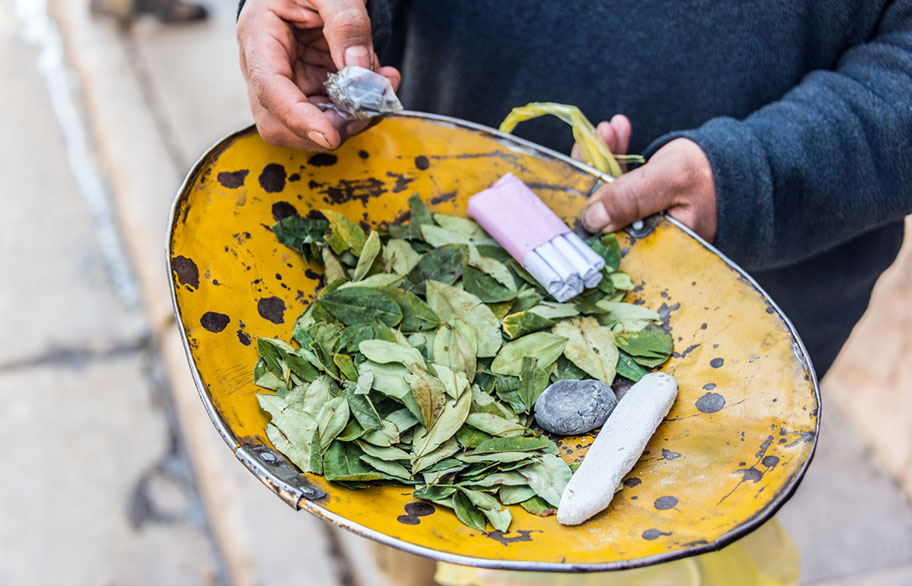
(514, 216)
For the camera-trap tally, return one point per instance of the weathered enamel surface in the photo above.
(729, 453)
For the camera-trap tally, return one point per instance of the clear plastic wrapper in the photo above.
(357, 92)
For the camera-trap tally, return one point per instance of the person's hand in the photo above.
(677, 179)
(287, 50)
(616, 134)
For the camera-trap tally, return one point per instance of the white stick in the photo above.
(543, 273)
(587, 252)
(560, 265)
(617, 447)
(585, 269)
(567, 292)
(595, 280)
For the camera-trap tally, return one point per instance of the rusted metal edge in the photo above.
(279, 484)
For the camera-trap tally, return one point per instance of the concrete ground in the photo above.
(114, 474)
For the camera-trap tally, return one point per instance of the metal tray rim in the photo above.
(295, 497)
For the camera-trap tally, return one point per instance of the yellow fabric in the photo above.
(766, 557)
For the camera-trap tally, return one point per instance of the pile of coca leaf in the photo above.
(420, 362)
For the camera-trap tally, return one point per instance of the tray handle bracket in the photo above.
(278, 474)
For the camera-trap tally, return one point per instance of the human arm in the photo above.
(287, 49)
(827, 162)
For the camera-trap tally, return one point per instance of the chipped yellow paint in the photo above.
(731, 450)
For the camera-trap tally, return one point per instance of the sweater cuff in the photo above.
(744, 201)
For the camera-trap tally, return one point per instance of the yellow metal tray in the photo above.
(730, 453)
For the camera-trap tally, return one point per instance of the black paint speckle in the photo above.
(232, 179)
(751, 474)
(323, 160)
(663, 503)
(272, 308)
(272, 179)
(244, 337)
(770, 310)
(710, 403)
(770, 461)
(360, 189)
(524, 535)
(709, 386)
(419, 509)
(703, 326)
(669, 455)
(422, 163)
(438, 199)
(294, 177)
(214, 322)
(186, 270)
(716, 362)
(687, 351)
(631, 482)
(282, 210)
(414, 511)
(363, 154)
(401, 181)
(651, 534)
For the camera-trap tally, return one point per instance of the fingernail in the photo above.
(595, 218)
(357, 55)
(319, 138)
(356, 126)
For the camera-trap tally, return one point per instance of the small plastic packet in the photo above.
(540, 241)
(357, 92)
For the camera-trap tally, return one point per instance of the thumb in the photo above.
(628, 198)
(347, 29)
(678, 178)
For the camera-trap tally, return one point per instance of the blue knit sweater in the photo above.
(803, 108)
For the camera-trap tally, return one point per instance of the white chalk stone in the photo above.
(617, 447)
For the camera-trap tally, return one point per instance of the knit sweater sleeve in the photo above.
(830, 160)
(381, 13)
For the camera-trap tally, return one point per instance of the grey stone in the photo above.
(570, 407)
